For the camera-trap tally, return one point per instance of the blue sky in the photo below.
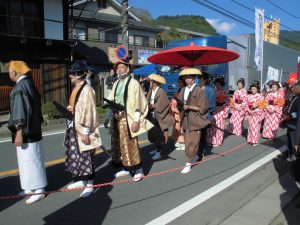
(225, 25)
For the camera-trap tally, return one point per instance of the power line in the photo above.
(230, 13)
(248, 24)
(252, 10)
(283, 9)
(234, 16)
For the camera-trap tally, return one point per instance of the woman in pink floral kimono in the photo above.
(254, 113)
(238, 108)
(216, 132)
(273, 111)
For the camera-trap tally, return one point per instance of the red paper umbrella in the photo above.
(193, 55)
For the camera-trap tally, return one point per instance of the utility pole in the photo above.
(71, 22)
(124, 24)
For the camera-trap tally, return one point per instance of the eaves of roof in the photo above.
(95, 17)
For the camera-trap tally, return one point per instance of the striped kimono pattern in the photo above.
(254, 121)
(238, 113)
(215, 133)
(272, 120)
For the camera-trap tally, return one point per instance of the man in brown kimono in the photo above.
(82, 134)
(194, 115)
(159, 114)
(129, 121)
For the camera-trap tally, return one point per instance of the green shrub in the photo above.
(49, 110)
(101, 110)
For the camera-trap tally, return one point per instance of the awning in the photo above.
(146, 70)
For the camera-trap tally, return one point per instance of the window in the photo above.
(138, 40)
(111, 37)
(131, 39)
(3, 18)
(101, 36)
(145, 41)
(101, 4)
(23, 17)
(120, 38)
(79, 31)
(142, 41)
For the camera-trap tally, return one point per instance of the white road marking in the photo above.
(44, 135)
(199, 199)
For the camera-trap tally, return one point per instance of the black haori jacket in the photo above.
(25, 111)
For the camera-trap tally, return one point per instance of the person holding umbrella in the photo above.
(194, 114)
(159, 114)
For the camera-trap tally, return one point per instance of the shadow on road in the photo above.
(91, 210)
(288, 208)
(56, 178)
(9, 186)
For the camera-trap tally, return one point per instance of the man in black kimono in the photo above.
(25, 125)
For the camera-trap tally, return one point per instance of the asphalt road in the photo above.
(132, 202)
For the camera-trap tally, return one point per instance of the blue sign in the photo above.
(121, 52)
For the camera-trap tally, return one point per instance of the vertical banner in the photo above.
(259, 38)
(271, 31)
(273, 74)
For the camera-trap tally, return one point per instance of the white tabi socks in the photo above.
(88, 190)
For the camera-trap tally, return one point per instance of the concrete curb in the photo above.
(267, 205)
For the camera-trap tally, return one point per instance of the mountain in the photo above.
(142, 14)
(187, 22)
(290, 39)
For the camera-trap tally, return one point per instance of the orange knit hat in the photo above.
(19, 66)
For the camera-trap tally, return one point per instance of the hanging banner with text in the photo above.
(271, 32)
(143, 56)
(259, 38)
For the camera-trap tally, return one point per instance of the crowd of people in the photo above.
(198, 114)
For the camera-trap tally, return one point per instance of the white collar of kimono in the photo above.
(22, 77)
(153, 93)
(187, 91)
